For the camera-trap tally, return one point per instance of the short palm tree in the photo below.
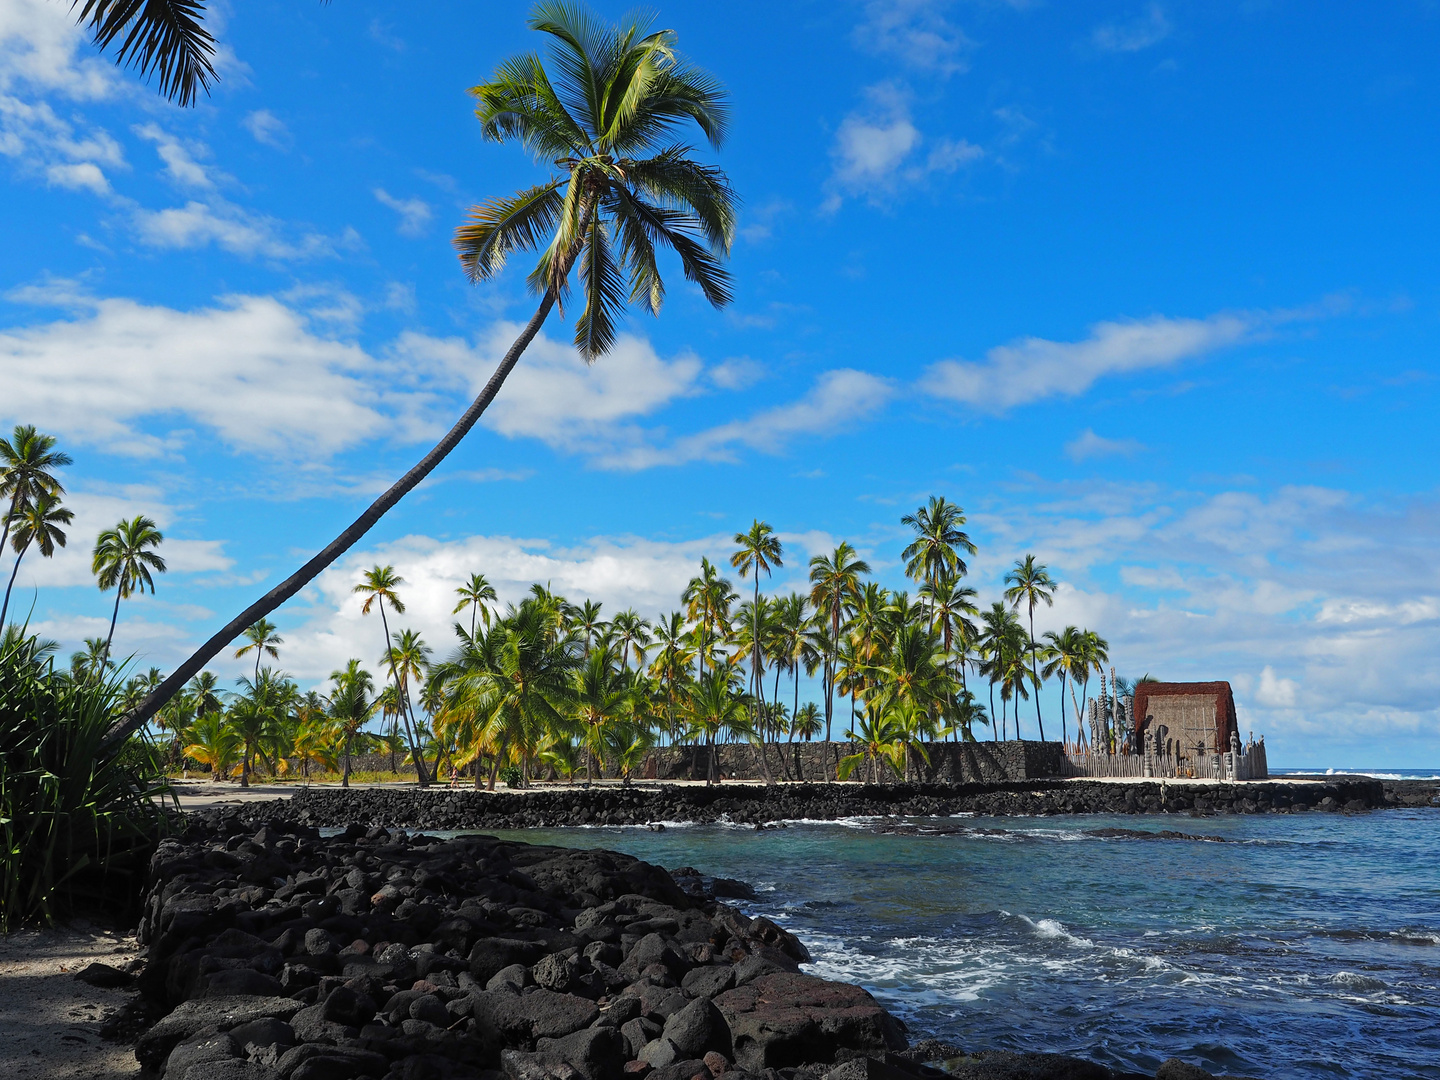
(1030, 582)
(715, 707)
(261, 639)
(476, 594)
(122, 560)
(880, 739)
(212, 742)
(350, 708)
(606, 112)
(39, 524)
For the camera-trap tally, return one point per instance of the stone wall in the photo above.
(949, 763)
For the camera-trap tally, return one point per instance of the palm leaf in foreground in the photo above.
(165, 38)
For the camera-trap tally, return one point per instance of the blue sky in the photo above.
(1148, 288)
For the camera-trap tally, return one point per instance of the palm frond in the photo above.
(520, 103)
(162, 37)
(604, 288)
(674, 229)
(516, 223)
(673, 179)
(677, 94)
(581, 40)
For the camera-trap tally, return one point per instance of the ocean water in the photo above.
(1293, 946)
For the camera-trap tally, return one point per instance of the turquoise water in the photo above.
(1303, 946)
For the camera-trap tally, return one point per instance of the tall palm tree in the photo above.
(38, 523)
(262, 639)
(707, 598)
(951, 605)
(122, 560)
(608, 118)
(1031, 582)
(939, 539)
(28, 460)
(631, 636)
(671, 665)
(476, 594)
(588, 622)
(1096, 654)
(1067, 659)
(759, 551)
(409, 659)
(834, 585)
(380, 585)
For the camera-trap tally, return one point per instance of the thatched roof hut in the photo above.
(1193, 718)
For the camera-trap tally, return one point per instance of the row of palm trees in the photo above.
(550, 686)
(123, 558)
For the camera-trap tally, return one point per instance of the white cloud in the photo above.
(400, 296)
(619, 572)
(179, 159)
(267, 128)
(877, 149)
(552, 394)
(249, 369)
(838, 400)
(736, 373)
(1088, 445)
(85, 176)
(43, 143)
(1274, 692)
(1149, 29)
(916, 32)
(1035, 368)
(42, 48)
(216, 221)
(414, 213)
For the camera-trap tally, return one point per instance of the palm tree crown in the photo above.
(122, 560)
(37, 523)
(28, 460)
(261, 639)
(607, 118)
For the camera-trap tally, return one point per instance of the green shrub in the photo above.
(512, 776)
(77, 823)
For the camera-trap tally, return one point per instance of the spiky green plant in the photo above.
(77, 821)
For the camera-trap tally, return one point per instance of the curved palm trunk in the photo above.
(135, 720)
(4, 608)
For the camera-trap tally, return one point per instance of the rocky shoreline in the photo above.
(274, 953)
(751, 804)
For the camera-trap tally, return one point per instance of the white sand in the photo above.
(50, 1021)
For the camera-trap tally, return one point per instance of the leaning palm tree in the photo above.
(261, 640)
(1031, 582)
(38, 523)
(381, 585)
(608, 117)
(122, 560)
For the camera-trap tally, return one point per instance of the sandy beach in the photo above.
(50, 1022)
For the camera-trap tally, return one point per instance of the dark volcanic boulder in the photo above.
(789, 1019)
(223, 1013)
(697, 1029)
